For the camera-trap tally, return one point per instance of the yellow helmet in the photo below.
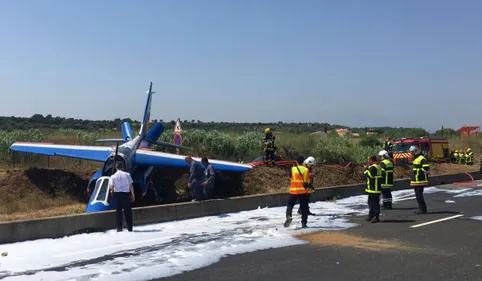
(267, 130)
(456, 151)
(468, 149)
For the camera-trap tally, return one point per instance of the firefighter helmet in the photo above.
(267, 130)
(310, 161)
(414, 148)
(383, 153)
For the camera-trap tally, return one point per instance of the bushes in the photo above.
(330, 149)
(333, 149)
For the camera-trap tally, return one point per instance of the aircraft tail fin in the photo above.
(147, 113)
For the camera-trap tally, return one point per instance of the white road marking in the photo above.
(439, 220)
(113, 246)
(406, 198)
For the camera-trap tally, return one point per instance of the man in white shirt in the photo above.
(121, 184)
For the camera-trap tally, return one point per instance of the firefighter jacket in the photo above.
(269, 142)
(469, 158)
(420, 171)
(373, 174)
(387, 173)
(388, 146)
(299, 176)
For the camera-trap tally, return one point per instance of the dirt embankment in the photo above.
(43, 192)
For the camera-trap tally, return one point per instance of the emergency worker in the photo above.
(299, 186)
(310, 163)
(420, 172)
(373, 175)
(461, 156)
(387, 179)
(469, 158)
(388, 146)
(456, 156)
(269, 147)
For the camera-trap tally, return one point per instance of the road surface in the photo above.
(253, 245)
(444, 244)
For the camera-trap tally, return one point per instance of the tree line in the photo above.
(48, 122)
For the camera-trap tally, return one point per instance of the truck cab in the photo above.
(434, 149)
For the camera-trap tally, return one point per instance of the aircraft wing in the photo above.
(156, 158)
(94, 153)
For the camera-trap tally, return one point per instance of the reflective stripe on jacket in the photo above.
(373, 175)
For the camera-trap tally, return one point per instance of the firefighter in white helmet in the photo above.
(310, 163)
(419, 181)
(387, 178)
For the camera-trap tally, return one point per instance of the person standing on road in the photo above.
(387, 179)
(420, 172)
(373, 175)
(209, 176)
(196, 175)
(310, 163)
(298, 192)
(120, 183)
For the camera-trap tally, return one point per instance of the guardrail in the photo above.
(61, 226)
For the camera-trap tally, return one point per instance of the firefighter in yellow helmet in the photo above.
(469, 158)
(456, 156)
(269, 147)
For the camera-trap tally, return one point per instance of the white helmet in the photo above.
(310, 161)
(413, 148)
(383, 153)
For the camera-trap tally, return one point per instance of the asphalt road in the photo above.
(445, 250)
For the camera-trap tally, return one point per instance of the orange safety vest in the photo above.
(297, 179)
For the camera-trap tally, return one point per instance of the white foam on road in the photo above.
(470, 193)
(166, 249)
(479, 218)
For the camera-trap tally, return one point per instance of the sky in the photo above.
(358, 63)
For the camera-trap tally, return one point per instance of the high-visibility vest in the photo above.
(470, 157)
(387, 173)
(420, 166)
(374, 176)
(297, 179)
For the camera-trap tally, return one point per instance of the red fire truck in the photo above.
(434, 149)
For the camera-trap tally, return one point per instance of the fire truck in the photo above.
(435, 149)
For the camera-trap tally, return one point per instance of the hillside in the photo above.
(38, 192)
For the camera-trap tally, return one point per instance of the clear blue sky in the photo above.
(358, 63)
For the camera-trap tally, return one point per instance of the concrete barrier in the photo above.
(61, 226)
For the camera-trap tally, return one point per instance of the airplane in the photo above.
(134, 153)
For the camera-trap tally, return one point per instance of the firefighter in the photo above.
(373, 175)
(456, 156)
(461, 156)
(388, 146)
(298, 192)
(419, 181)
(269, 147)
(387, 179)
(310, 163)
(470, 157)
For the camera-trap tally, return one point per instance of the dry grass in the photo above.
(70, 209)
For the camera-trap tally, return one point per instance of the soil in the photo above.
(38, 192)
(340, 239)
